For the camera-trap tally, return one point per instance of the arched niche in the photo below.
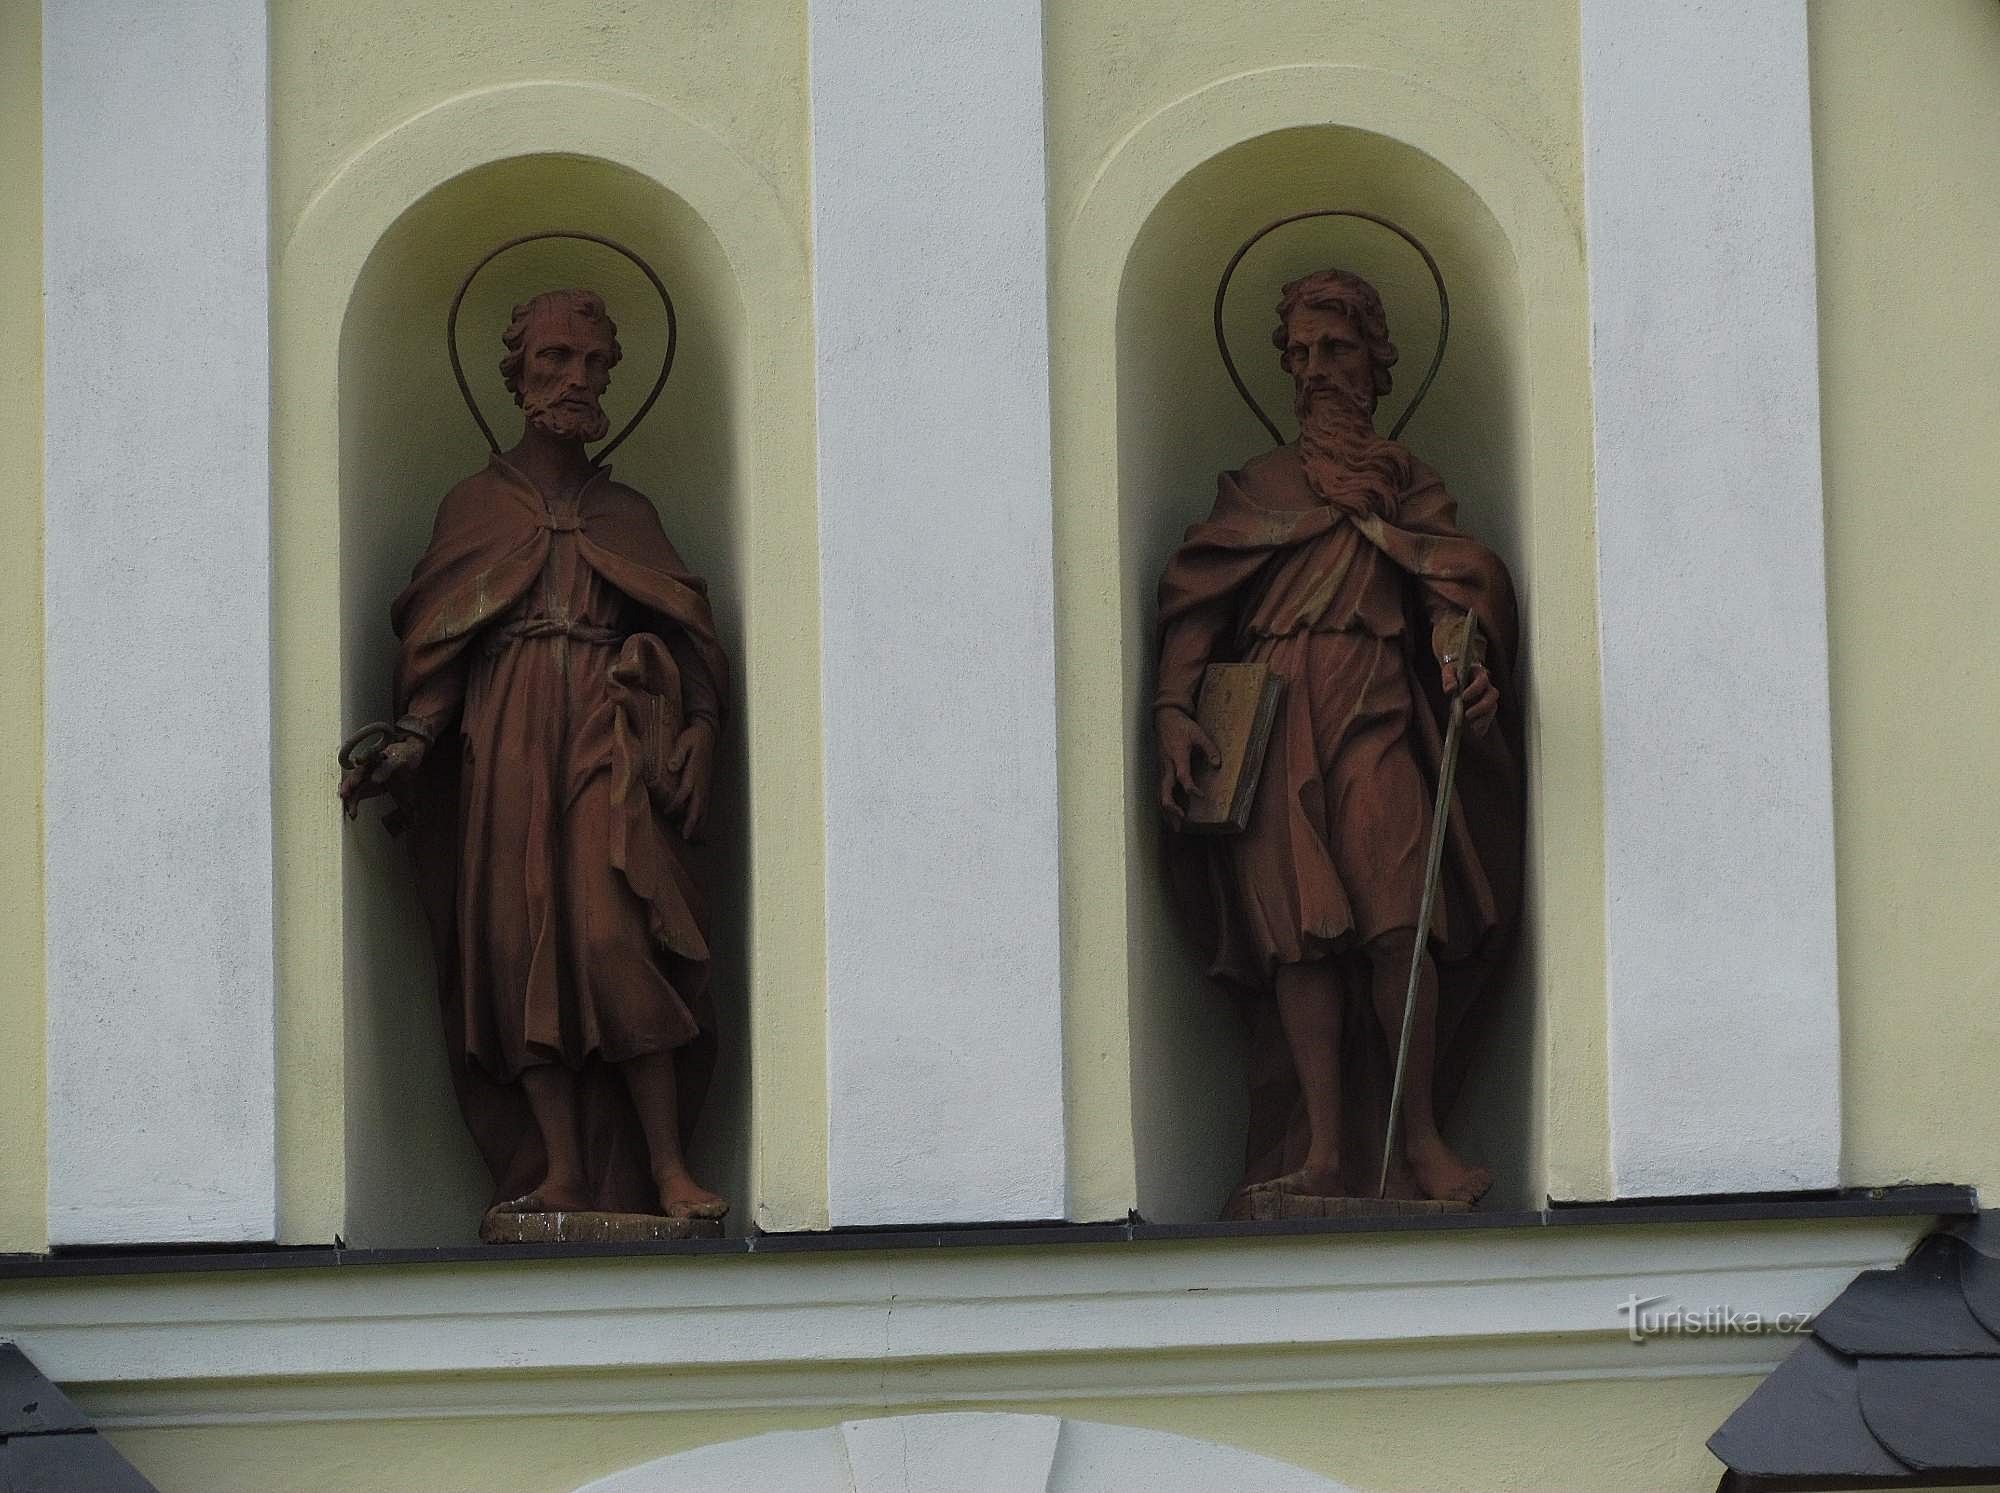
(652, 170)
(971, 1452)
(405, 438)
(1178, 423)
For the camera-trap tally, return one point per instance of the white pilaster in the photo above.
(162, 1120)
(944, 1000)
(1724, 1010)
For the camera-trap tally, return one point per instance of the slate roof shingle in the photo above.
(1897, 1387)
(47, 1445)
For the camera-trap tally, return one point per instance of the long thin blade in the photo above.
(1433, 865)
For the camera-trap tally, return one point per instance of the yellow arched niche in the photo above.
(368, 433)
(1145, 418)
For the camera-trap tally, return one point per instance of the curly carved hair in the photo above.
(1347, 292)
(586, 305)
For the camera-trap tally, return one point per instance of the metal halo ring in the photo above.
(666, 364)
(1437, 277)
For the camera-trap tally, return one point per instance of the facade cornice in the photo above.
(899, 1327)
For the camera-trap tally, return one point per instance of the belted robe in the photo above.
(1288, 550)
(554, 648)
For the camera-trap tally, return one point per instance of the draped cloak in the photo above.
(1298, 542)
(555, 649)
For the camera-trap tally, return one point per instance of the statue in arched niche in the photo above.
(559, 690)
(1334, 565)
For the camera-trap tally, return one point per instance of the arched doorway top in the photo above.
(966, 1453)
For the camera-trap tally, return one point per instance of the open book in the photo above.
(1237, 704)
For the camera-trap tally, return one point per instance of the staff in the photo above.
(1440, 819)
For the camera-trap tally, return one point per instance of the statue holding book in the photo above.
(1314, 672)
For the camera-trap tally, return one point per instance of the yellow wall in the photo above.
(1906, 133)
(345, 71)
(1480, 106)
(23, 1132)
(376, 109)
(1608, 1436)
(1111, 65)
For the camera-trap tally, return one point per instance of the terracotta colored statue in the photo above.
(558, 695)
(1337, 561)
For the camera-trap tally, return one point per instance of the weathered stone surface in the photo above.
(555, 650)
(1268, 1202)
(584, 1227)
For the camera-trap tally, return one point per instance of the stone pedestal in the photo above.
(1268, 1202)
(583, 1227)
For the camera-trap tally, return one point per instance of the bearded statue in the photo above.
(558, 694)
(1336, 563)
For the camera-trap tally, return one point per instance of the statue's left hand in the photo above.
(690, 761)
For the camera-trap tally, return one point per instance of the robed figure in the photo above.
(559, 689)
(1338, 561)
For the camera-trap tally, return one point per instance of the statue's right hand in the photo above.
(373, 774)
(1181, 737)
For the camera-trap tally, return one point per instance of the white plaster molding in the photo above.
(1724, 1011)
(944, 992)
(966, 1453)
(795, 1461)
(924, 1326)
(162, 1110)
(1096, 1458)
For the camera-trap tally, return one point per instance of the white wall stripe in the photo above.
(1724, 1014)
(944, 1002)
(162, 1122)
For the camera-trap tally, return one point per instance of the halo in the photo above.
(1437, 278)
(666, 364)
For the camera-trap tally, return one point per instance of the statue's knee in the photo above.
(1391, 952)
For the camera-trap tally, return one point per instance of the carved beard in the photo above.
(1337, 408)
(1348, 463)
(552, 418)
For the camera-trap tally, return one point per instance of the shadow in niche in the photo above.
(1179, 424)
(413, 1176)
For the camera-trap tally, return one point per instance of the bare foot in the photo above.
(683, 1197)
(550, 1197)
(1310, 1181)
(1444, 1176)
